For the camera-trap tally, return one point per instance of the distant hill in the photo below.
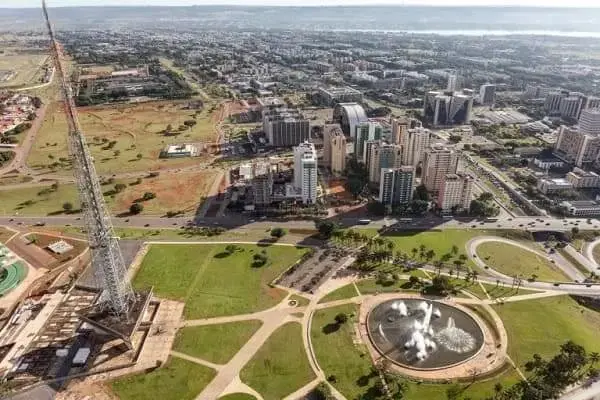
(402, 18)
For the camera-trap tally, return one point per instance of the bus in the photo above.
(491, 220)
(364, 221)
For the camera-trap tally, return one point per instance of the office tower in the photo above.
(262, 183)
(305, 172)
(576, 147)
(487, 94)
(400, 128)
(285, 127)
(338, 153)
(592, 102)
(452, 83)
(553, 99)
(383, 155)
(348, 115)
(571, 107)
(581, 179)
(329, 131)
(456, 192)
(396, 185)
(444, 109)
(438, 162)
(363, 132)
(414, 143)
(589, 122)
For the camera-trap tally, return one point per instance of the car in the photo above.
(521, 225)
(146, 225)
(40, 223)
(547, 223)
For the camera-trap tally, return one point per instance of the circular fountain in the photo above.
(424, 334)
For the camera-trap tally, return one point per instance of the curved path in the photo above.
(471, 248)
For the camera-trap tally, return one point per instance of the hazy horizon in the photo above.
(306, 3)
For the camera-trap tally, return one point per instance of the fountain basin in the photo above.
(424, 334)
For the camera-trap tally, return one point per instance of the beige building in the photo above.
(262, 183)
(414, 142)
(456, 192)
(577, 147)
(581, 179)
(383, 156)
(438, 162)
(338, 153)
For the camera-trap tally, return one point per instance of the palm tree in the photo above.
(414, 252)
(438, 266)
(454, 249)
(594, 358)
(497, 390)
(458, 264)
(475, 276)
(429, 255)
(390, 245)
(422, 251)
(463, 258)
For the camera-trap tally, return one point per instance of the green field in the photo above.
(513, 261)
(176, 380)
(213, 283)
(345, 292)
(541, 326)
(215, 343)
(137, 129)
(30, 201)
(301, 301)
(338, 355)
(27, 68)
(281, 366)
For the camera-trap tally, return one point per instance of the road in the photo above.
(591, 392)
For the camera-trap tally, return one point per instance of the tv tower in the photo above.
(107, 261)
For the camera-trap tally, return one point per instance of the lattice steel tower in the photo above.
(107, 260)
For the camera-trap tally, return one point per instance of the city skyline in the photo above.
(452, 3)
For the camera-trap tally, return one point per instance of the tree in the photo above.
(136, 208)
(259, 259)
(442, 284)
(278, 232)
(189, 123)
(419, 207)
(119, 187)
(67, 206)
(323, 392)
(421, 193)
(486, 196)
(148, 196)
(376, 208)
(341, 318)
(326, 228)
(230, 248)
(139, 156)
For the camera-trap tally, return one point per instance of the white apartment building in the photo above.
(414, 143)
(456, 192)
(581, 179)
(438, 162)
(553, 185)
(589, 122)
(305, 172)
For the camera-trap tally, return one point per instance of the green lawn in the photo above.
(215, 343)
(500, 291)
(512, 261)
(345, 292)
(213, 283)
(301, 301)
(38, 200)
(176, 380)
(238, 396)
(370, 286)
(541, 326)
(280, 366)
(573, 261)
(338, 355)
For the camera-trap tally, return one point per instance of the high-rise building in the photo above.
(348, 115)
(452, 83)
(449, 108)
(364, 131)
(414, 143)
(396, 185)
(581, 179)
(383, 155)
(571, 107)
(576, 147)
(589, 122)
(592, 102)
(553, 99)
(305, 172)
(455, 192)
(487, 94)
(262, 183)
(285, 127)
(399, 128)
(438, 162)
(334, 148)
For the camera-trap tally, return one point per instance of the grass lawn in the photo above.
(370, 286)
(238, 396)
(301, 301)
(213, 283)
(500, 291)
(280, 366)
(440, 241)
(215, 343)
(176, 380)
(5, 234)
(137, 129)
(338, 355)
(512, 260)
(38, 200)
(345, 292)
(573, 261)
(27, 68)
(541, 326)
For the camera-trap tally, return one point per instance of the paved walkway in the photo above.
(196, 360)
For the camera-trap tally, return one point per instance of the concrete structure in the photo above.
(363, 132)
(262, 183)
(553, 99)
(285, 127)
(452, 83)
(553, 185)
(414, 143)
(589, 122)
(266, 104)
(547, 163)
(487, 94)
(584, 208)
(335, 147)
(334, 95)
(383, 156)
(570, 107)
(576, 147)
(447, 108)
(581, 179)
(348, 115)
(399, 129)
(438, 162)
(396, 185)
(179, 151)
(305, 172)
(456, 192)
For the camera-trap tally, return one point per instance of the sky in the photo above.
(535, 3)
